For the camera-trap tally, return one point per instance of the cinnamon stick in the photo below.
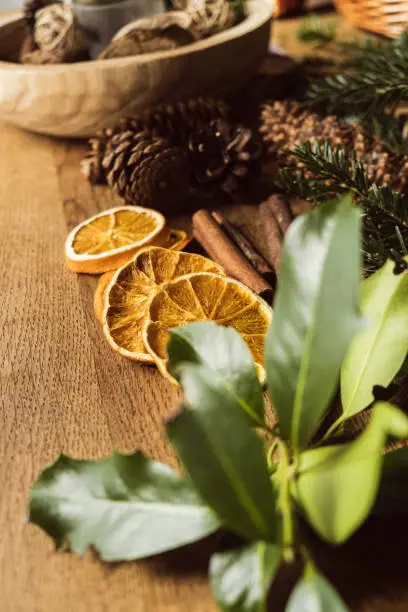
(244, 244)
(280, 207)
(299, 207)
(273, 235)
(222, 250)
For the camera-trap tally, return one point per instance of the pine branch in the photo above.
(373, 80)
(315, 31)
(391, 130)
(325, 173)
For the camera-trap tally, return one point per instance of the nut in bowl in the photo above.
(78, 99)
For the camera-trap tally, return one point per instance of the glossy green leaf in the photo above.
(392, 498)
(337, 485)
(224, 457)
(223, 351)
(378, 352)
(241, 578)
(315, 316)
(313, 593)
(126, 507)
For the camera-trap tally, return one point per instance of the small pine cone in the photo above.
(91, 165)
(178, 122)
(147, 171)
(224, 156)
(285, 125)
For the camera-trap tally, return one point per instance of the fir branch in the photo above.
(391, 130)
(325, 173)
(373, 80)
(314, 30)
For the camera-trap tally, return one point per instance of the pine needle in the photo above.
(324, 172)
(313, 30)
(374, 79)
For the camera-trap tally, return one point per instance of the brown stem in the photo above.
(222, 250)
(244, 244)
(400, 398)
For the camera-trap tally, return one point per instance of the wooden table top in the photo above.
(64, 390)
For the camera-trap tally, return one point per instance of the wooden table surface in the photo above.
(64, 390)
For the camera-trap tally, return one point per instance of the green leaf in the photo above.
(126, 507)
(337, 485)
(315, 316)
(224, 457)
(313, 593)
(241, 578)
(392, 498)
(223, 351)
(378, 352)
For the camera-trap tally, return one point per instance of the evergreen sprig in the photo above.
(391, 130)
(373, 79)
(316, 31)
(325, 172)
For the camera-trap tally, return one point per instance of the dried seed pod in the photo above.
(58, 33)
(209, 17)
(158, 33)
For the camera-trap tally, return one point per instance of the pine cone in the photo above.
(178, 122)
(224, 156)
(92, 164)
(174, 122)
(147, 171)
(285, 125)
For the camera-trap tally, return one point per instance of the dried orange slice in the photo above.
(107, 240)
(99, 297)
(131, 288)
(176, 240)
(206, 297)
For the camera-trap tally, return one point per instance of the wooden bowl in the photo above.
(76, 100)
(386, 17)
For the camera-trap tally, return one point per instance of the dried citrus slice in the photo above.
(206, 297)
(129, 292)
(99, 297)
(107, 240)
(176, 240)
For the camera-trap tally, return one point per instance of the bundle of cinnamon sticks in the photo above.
(226, 244)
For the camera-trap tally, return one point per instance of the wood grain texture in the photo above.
(62, 389)
(77, 100)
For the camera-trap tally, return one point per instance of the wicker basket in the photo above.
(387, 17)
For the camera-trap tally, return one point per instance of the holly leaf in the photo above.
(225, 353)
(313, 593)
(126, 507)
(385, 305)
(224, 457)
(315, 316)
(392, 498)
(241, 578)
(331, 476)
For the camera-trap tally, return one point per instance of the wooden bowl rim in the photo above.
(259, 13)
